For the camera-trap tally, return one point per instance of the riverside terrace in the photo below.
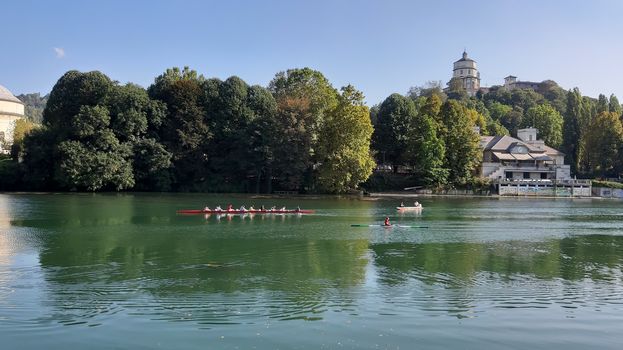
(545, 188)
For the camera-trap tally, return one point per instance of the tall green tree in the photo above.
(85, 154)
(572, 132)
(614, 105)
(604, 143)
(392, 132)
(70, 93)
(304, 97)
(602, 104)
(344, 148)
(243, 120)
(92, 158)
(548, 121)
(308, 84)
(425, 150)
(463, 154)
(265, 134)
(184, 131)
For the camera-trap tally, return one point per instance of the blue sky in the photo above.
(380, 47)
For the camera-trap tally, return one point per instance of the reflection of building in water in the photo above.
(11, 109)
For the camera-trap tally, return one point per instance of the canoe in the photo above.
(201, 211)
(409, 208)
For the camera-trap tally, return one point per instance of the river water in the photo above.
(125, 271)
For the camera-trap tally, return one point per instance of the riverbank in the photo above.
(379, 195)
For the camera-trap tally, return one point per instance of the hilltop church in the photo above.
(466, 71)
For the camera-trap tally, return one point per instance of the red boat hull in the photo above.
(200, 211)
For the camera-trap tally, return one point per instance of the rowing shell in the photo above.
(390, 226)
(201, 211)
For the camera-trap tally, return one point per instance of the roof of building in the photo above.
(527, 82)
(6, 95)
(501, 144)
(465, 58)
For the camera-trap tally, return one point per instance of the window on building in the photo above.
(526, 175)
(519, 149)
(461, 71)
(509, 174)
(543, 176)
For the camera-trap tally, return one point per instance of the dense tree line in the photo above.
(189, 133)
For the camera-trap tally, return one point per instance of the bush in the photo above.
(608, 184)
(10, 175)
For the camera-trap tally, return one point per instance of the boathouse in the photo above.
(527, 166)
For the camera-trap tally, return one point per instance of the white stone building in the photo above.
(465, 69)
(522, 158)
(11, 109)
(526, 166)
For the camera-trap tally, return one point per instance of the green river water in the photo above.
(126, 272)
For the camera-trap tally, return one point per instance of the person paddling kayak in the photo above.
(386, 222)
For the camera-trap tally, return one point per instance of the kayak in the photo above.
(390, 226)
(201, 211)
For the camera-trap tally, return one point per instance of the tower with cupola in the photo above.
(466, 71)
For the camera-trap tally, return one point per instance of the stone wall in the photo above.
(607, 192)
(544, 191)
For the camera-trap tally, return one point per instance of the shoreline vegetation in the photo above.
(187, 133)
(372, 196)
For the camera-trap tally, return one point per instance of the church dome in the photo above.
(465, 58)
(6, 95)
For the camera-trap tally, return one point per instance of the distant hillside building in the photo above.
(465, 69)
(11, 109)
(511, 83)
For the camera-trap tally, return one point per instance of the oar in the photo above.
(404, 226)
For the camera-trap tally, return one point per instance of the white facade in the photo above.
(466, 70)
(522, 158)
(11, 109)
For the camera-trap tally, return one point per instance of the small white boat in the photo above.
(414, 208)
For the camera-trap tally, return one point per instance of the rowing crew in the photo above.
(251, 208)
